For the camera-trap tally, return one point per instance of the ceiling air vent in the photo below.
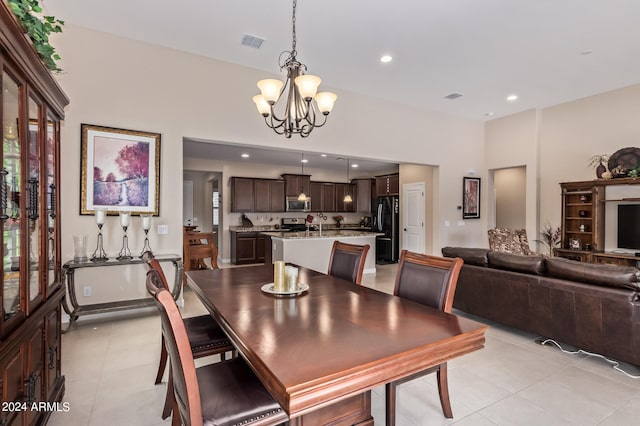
(252, 41)
(453, 96)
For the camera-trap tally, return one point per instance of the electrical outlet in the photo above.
(87, 291)
(163, 229)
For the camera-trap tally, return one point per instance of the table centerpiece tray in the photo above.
(269, 288)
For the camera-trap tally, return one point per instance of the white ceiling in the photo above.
(483, 49)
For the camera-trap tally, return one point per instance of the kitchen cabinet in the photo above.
(365, 190)
(328, 199)
(247, 247)
(32, 107)
(269, 195)
(388, 185)
(323, 196)
(315, 192)
(294, 184)
(242, 194)
(343, 189)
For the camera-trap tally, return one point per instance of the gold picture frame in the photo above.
(120, 170)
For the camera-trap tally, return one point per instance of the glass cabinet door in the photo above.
(34, 219)
(51, 201)
(10, 199)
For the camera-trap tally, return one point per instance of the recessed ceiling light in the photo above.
(244, 155)
(354, 166)
(304, 160)
(386, 59)
(323, 155)
(512, 98)
(489, 114)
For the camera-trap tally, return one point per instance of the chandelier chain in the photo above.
(293, 31)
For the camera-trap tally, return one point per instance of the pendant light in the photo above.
(301, 100)
(302, 196)
(347, 195)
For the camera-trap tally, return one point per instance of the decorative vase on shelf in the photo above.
(600, 170)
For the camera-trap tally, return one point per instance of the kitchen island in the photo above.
(312, 249)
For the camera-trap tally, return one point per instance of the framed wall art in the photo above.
(120, 170)
(470, 198)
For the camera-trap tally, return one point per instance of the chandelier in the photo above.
(298, 115)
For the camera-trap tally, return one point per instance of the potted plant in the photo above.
(38, 28)
(551, 237)
(598, 161)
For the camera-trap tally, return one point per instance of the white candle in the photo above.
(146, 221)
(100, 214)
(51, 221)
(124, 219)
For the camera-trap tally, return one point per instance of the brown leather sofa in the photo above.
(594, 307)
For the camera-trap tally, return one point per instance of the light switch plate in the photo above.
(163, 229)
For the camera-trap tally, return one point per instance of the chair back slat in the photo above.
(429, 280)
(183, 370)
(347, 261)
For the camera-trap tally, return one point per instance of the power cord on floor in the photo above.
(614, 363)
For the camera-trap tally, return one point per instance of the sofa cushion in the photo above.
(471, 256)
(594, 273)
(517, 263)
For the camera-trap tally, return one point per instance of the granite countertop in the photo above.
(253, 228)
(325, 234)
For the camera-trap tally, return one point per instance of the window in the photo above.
(216, 208)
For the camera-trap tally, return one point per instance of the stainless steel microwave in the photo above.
(295, 205)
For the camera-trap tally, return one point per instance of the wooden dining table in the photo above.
(321, 352)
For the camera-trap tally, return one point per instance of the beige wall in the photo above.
(512, 141)
(555, 145)
(123, 83)
(510, 192)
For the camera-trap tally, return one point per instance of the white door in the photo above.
(413, 208)
(187, 202)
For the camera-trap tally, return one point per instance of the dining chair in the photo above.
(224, 393)
(198, 247)
(206, 338)
(431, 281)
(347, 261)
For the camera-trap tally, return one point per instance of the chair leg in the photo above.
(175, 419)
(443, 390)
(163, 362)
(170, 399)
(390, 404)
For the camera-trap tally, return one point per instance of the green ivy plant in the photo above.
(38, 28)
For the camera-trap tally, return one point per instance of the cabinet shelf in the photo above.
(579, 204)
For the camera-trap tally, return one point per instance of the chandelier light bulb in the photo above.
(262, 104)
(325, 101)
(307, 86)
(270, 89)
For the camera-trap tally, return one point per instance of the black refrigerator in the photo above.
(386, 219)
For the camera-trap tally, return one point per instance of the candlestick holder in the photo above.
(99, 255)
(125, 253)
(146, 225)
(146, 246)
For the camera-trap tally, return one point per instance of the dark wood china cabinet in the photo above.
(31, 107)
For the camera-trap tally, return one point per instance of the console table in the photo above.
(76, 309)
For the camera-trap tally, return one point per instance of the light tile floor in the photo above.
(110, 366)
